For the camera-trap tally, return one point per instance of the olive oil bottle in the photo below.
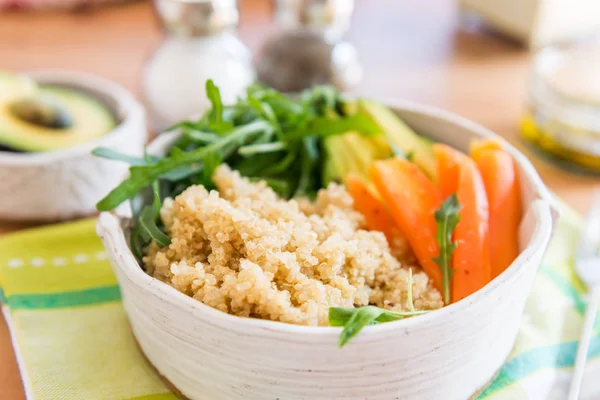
(563, 118)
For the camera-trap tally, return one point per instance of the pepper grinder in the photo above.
(309, 49)
(200, 44)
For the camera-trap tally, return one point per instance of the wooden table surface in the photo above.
(421, 51)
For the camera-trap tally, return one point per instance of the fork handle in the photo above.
(584, 341)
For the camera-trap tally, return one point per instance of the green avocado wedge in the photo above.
(401, 135)
(50, 118)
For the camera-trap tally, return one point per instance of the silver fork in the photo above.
(587, 266)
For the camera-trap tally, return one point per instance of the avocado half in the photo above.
(68, 118)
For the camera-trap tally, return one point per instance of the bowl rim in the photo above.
(543, 207)
(127, 109)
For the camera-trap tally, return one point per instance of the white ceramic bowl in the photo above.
(67, 183)
(447, 354)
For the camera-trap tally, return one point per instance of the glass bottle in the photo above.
(562, 121)
(309, 49)
(200, 44)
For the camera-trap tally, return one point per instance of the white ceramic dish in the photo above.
(67, 183)
(448, 354)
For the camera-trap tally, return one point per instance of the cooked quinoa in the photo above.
(245, 251)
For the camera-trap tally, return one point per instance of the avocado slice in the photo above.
(52, 118)
(400, 135)
(352, 152)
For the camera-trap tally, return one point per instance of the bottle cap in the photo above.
(197, 17)
(329, 17)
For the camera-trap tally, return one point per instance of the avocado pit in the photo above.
(42, 112)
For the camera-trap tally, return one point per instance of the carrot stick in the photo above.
(471, 260)
(412, 200)
(447, 162)
(500, 177)
(376, 215)
(485, 144)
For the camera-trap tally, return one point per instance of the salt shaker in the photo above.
(309, 49)
(200, 44)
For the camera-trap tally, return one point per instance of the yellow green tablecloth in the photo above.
(72, 340)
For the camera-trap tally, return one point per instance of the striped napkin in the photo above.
(69, 330)
(72, 340)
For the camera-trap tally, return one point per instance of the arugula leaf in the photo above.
(358, 320)
(263, 109)
(215, 116)
(211, 162)
(149, 216)
(284, 164)
(446, 218)
(339, 316)
(321, 98)
(355, 319)
(200, 136)
(256, 165)
(183, 172)
(261, 148)
(309, 158)
(110, 154)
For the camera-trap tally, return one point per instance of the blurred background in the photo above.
(438, 52)
(476, 58)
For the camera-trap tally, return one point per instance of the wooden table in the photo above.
(414, 50)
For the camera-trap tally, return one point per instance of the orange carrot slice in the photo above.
(447, 162)
(471, 259)
(412, 200)
(500, 177)
(485, 144)
(376, 215)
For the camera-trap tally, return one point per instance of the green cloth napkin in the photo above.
(73, 341)
(64, 312)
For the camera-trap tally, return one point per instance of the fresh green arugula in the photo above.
(355, 319)
(148, 220)
(110, 154)
(215, 115)
(446, 218)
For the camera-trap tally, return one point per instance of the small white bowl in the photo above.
(447, 354)
(65, 184)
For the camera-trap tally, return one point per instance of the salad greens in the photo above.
(446, 218)
(355, 319)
